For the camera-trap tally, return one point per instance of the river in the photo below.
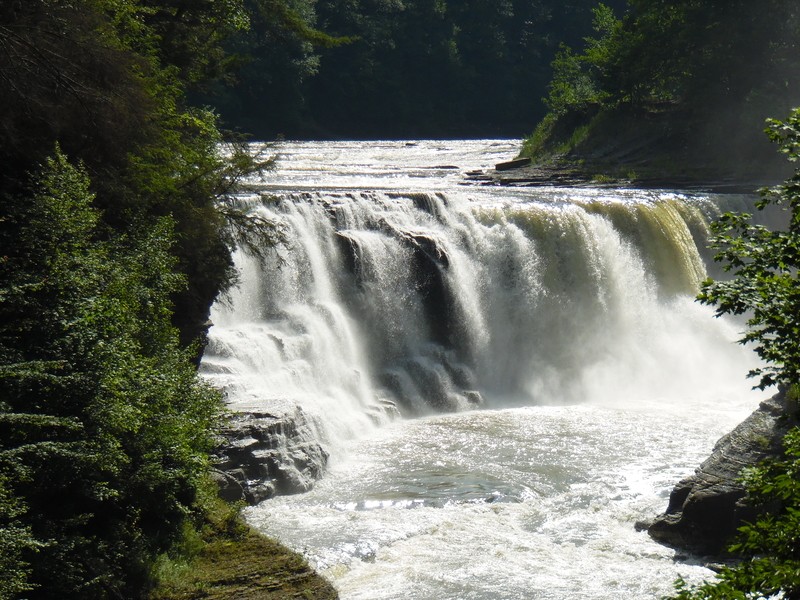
(506, 378)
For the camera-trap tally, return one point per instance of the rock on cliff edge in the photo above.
(706, 508)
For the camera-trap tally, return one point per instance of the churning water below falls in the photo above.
(506, 379)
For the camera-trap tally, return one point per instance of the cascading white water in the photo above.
(401, 288)
(420, 297)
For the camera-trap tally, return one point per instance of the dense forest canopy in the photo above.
(113, 244)
(401, 68)
(689, 84)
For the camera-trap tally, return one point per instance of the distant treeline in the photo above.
(397, 68)
(675, 85)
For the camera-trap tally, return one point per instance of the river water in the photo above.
(552, 374)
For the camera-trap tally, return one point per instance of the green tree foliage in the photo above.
(443, 67)
(186, 34)
(764, 264)
(690, 75)
(106, 79)
(706, 52)
(408, 68)
(105, 425)
(65, 75)
(692, 50)
(765, 286)
(276, 56)
(16, 540)
(578, 79)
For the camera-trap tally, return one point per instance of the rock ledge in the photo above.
(706, 508)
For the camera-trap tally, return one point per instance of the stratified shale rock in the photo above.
(706, 508)
(263, 454)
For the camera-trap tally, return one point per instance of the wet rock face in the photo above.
(262, 455)
(706, 508)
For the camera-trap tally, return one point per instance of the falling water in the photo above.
(552, 373)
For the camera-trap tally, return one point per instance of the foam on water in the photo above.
(535, 502)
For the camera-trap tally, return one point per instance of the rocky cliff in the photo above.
(706, 508)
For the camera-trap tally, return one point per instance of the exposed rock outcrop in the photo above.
(706, 508)
(263, 454)
(512, 164)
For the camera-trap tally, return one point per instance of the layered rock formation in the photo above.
(706, 508)
(263, 454)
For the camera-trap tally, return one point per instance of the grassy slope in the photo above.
(660, 144)
(249, 568)
(227, 560)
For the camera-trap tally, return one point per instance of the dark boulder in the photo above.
(474, 397)
(707, 508)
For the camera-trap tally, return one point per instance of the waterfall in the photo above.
(524, 369)
(425, 301)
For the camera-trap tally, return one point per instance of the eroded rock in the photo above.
(706, 509)
(263, 454)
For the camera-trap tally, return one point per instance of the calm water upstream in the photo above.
(553, 376)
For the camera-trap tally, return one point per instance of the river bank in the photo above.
(238, 563)
(564, 173)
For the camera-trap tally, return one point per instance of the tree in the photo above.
(677, 80)
(411, 68)
(107, 80)
(765, 286)
(764, 264)
(275, 57)
(16, 540)
(578, 79)
(105, 425)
